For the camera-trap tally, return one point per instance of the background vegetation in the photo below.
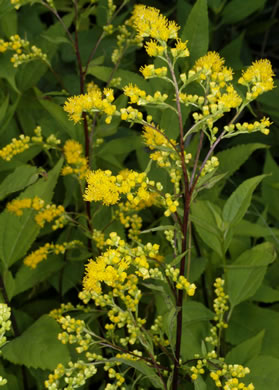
(33, 94)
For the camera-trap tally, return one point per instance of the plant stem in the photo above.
(187, 201)
(85, 123)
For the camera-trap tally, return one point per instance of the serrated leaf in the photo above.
(18, 233)
(38, 346)
(196, 30)
(239, 201)
(22, 177)
(246, 274)
(247, 350)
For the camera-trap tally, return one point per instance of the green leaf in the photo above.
(38, 346)
(246, 274)
(196, 30)
(195, 327)
(237, 10)
(22, 177)
(231, 160)
(9, 114)
(250, 229)
(200, 384)
(266, 294)
(270, 193)
(9, 23)
(18, 233)
(232, 52)
(27, 277)
(7, 71)
(3, 108)
(64, 124)
(207, 221)
(239, 201)
(264, 373)
(9, 283)
(248, 320)
(247, 350)
(14, 381)
(148, 372)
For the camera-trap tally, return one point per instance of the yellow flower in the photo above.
(74, 156)
(102, 187)
(90, 102)
(259, 76)
(15, 147)
(211, 61)
(49, 213)
(17, 205)
(180, 49)
(153, 49)
(150, 23)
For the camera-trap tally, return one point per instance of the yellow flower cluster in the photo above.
(49, 213)
(150, 23)
(140, 97)
(17, 205)
(246, 127)
(103, 269)
(75, 375)
(153, 49)
(76, 162)
(5, 323)
(103, 186)
(66, 307)
(234, 371)
(46, 213)
(17, 146)
(258, 78)
(220, 306)
(149, 71)
(181, 282)
(210, 165)
(212, 73)
(180, 49)
(41, 254)
(99, 238)
(23, 52)
(126, 211)
(93, 101)
(5, 326)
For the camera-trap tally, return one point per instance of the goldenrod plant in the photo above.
(126, 262)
